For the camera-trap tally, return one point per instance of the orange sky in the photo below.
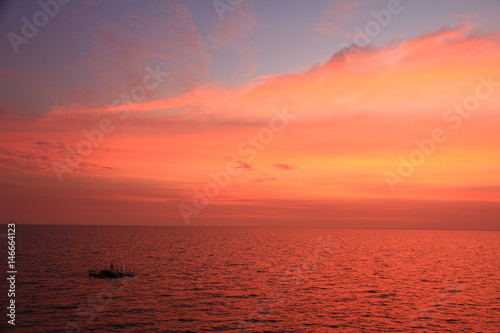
(328, 165)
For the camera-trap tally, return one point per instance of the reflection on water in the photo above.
(253, 279)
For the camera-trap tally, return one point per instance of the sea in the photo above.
(219, 279)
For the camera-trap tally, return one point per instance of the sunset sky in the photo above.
(251, 113)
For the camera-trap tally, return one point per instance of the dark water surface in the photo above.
(274, 280)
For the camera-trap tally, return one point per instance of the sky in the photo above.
(328, 113)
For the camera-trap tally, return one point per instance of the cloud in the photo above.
(11, 160)
(234, 31)
(50, 147)
(414, 82)
(283, 166)
(236, 26)
(355, 118)
(244, 165)
(336, 15)
(11, 73)
(263, 179)
(118, 53)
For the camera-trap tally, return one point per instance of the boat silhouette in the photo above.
(110, 272)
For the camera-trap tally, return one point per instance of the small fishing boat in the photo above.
(110, 272)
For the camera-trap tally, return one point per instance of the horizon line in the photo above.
(244, 226)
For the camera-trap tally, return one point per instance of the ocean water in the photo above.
(256, 280)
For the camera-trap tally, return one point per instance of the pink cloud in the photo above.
(233, 32)
(351, 125)
(244, 165)
(335, 15)
(283, 166)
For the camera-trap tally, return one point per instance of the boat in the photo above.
(110, 272)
